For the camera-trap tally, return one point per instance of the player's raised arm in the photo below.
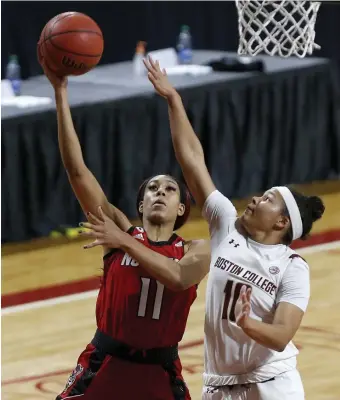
(188, 149)
(85, 186)
(181, 275)
(217, 209)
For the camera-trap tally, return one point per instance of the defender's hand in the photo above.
(159, 78)
(242, 309)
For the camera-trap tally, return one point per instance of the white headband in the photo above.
(293, 210)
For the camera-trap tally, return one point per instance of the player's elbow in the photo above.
(182, 279)
(177, 285)
(189, 155)
(176, 288)
(281, 345)
(173, 285)
(76, 171)
(184, 286)
(173, 280)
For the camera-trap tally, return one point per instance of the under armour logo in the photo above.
(233, 241)
(210, 389)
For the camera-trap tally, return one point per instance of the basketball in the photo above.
(71, 44)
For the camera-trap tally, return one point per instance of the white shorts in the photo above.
(287, 386)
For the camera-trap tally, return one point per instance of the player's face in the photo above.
(265, 213)
(161, 202)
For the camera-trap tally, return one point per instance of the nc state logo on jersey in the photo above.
(128, 261)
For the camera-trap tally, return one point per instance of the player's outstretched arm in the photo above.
(291, 299)
(278, 334)
(177, 276)
(188, 271)
(188, 149)
(85, 186)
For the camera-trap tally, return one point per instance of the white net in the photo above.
(277, 27)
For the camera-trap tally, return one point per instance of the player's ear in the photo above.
(181, 209)
(282, 223)
(140, 207)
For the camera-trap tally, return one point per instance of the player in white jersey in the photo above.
(258, 288)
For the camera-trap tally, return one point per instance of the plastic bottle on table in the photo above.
(137, 62)
(184, 46)
(13, 74)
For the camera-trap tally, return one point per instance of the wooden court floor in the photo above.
(42, 340)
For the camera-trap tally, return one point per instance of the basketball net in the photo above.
(279, 27)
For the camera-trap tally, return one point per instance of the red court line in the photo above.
(187, 345)
(49, 292)
(35, 377)
(318, 238)
(83, 285)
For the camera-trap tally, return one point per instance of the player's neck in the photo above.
(265, 238)
(259, 236)
(158, 233)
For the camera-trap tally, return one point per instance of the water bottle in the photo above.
(137, 62)
(184, 46)
(13, 74)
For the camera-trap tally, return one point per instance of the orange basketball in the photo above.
(71, 44)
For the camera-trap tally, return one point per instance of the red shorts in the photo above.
(101, 377)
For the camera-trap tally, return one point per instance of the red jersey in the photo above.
(133, 307)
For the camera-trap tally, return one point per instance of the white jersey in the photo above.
(275, 274)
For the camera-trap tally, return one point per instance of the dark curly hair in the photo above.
(311, 209)
(185, 198)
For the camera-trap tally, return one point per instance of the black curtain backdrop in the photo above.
(277, 129)
(213, 26)
(256, 133)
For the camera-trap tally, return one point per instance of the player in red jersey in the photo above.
(140, 317)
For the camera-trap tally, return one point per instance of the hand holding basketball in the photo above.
(71, 43)
(159, 78)
(242, 308)
(56, 81)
